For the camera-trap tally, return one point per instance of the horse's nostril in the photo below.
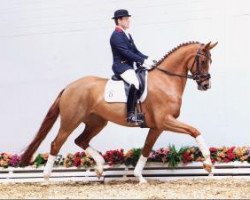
(205, 86)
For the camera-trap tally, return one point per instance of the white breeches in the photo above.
(130, 77)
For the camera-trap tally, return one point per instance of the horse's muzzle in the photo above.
(204, 85)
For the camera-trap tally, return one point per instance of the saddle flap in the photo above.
(116, 89)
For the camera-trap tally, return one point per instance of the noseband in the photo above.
(197, 75)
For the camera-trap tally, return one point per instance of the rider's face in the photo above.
(124, 22)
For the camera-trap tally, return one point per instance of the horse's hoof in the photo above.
(45, 181)
(210, 174)
(47, 172)
(139, 175)
(46, 176)
(208, 167)
(142, 180)
(98, 175)
(99, 171)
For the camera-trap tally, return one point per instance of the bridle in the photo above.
(197, 75)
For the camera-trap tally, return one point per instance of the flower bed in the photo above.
(169, 155)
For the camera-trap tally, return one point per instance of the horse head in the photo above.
(195, 58)
(200, 66)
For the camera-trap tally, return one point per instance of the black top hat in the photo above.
(121, 13)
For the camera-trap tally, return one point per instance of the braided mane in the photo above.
(173, 50)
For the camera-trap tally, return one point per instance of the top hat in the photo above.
(121, 13)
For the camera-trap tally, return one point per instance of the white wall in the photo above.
(46, 44)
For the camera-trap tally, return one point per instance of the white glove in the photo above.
(148, 63)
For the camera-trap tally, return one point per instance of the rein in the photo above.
(173, 74)
(197, 76)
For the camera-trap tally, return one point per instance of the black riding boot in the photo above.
(131, 106)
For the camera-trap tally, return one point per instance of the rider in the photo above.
(125, 54)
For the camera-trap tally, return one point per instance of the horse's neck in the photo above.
(177, 64)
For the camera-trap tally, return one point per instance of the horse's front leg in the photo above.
(152, 136)
(171, 124)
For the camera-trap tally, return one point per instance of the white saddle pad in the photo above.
(115, 91)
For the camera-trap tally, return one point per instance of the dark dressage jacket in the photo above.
(124, 51)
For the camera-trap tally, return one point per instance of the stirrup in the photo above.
(134, 119)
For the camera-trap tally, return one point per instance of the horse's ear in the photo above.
(213, 45)
(206, 47)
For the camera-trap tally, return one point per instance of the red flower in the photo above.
(77, 154)
(186, 157)
(230, 156)
(212, 149)
(77, 161)
(114, 157)
(231, 149)
(226, 160)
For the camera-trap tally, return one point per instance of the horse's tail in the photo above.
(47, 124)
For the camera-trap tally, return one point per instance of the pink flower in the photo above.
(14, 160)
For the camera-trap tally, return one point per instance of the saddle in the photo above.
(141, 74)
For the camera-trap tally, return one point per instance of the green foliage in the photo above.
(173, 157)
(39, 160)
(183, 149)
(132, 157)
(136, 153)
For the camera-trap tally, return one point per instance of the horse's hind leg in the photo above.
(56, 145)
(93, 126)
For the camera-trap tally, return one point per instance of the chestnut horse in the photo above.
(83, 102)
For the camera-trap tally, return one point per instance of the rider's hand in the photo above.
(148, 63)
